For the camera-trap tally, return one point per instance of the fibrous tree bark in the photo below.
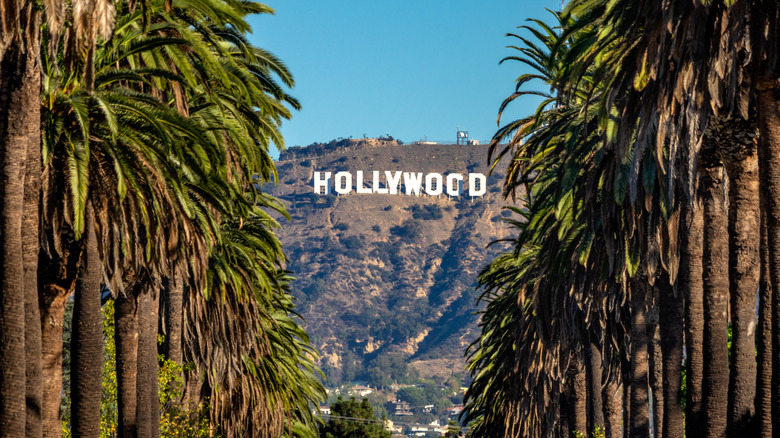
(173, 304)
(690, 283)
(671, 323)
(126, 336)
(31, 249)
(612, 396)
(768, 91)
(763, 418)
(146, 378)
(639, 415)
(87, 339)
(593, 368)
(716, 291)
(19, 104)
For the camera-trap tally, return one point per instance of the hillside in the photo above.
(386, 277)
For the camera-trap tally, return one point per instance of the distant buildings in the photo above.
(424, 429)
(402, 408)
(360, 390)
(454, 411)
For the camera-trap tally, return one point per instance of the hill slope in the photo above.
(385, 275)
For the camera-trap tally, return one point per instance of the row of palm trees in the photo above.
(133, 137)
(651, 219)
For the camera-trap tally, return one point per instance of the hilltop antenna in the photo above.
(462, 137)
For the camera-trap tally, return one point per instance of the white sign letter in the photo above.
(477, 189)
(393, 180)
(378, 189)
(343, 183)
(360, 187)
(321, 183)
(454, 184)
(413, 181)
(433, 188)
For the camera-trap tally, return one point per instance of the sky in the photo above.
(413, 69)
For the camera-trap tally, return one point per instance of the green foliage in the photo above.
(409, 231)
(426, 212)
(315, 289)
(452, 429)
(598, 432)
(426, 394)
(108, 399)
(342, 428)
(175, 420)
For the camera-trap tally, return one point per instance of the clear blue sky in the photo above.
(408, 68)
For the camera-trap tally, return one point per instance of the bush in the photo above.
(175, 419)
(352, 242)
(341, 226)
(426, 212)
(409, 230)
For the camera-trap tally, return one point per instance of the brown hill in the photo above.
(388, 275)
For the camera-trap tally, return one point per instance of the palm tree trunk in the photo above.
(639, 419)
(580, 398)
(174, 302)
(126, 336)
(564, 423)
(87, 340)
(56, 280)
(612, 396)
(19, 95)
(744, 271)
(148, 402)
(690, 282)
(573, 399)
(763, 419)
(769, 160)
(192, 392)
(31, 248)
(655, 364)
(625, 376)
(671, 323)
(593, 367)
(716, 290)
(53, 300)
(154, 364)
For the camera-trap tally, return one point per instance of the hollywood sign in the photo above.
(397, 182)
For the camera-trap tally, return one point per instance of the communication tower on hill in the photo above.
(462, 137)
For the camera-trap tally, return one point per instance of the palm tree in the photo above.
(257, 346)
(739, 151)
(705, 86)
(763, 419)
(691, 284)
(592, 219)
(127, 185)
(31, 249)
(87, 340)
(639, 420)
(716, 283)
(19, 132)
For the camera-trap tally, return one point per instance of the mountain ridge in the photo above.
(383, 275)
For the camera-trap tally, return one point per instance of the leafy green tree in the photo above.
(351, 419)
(453, 430)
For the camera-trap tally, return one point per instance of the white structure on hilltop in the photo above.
(414, 183)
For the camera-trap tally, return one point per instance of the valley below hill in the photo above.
(387, 282)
